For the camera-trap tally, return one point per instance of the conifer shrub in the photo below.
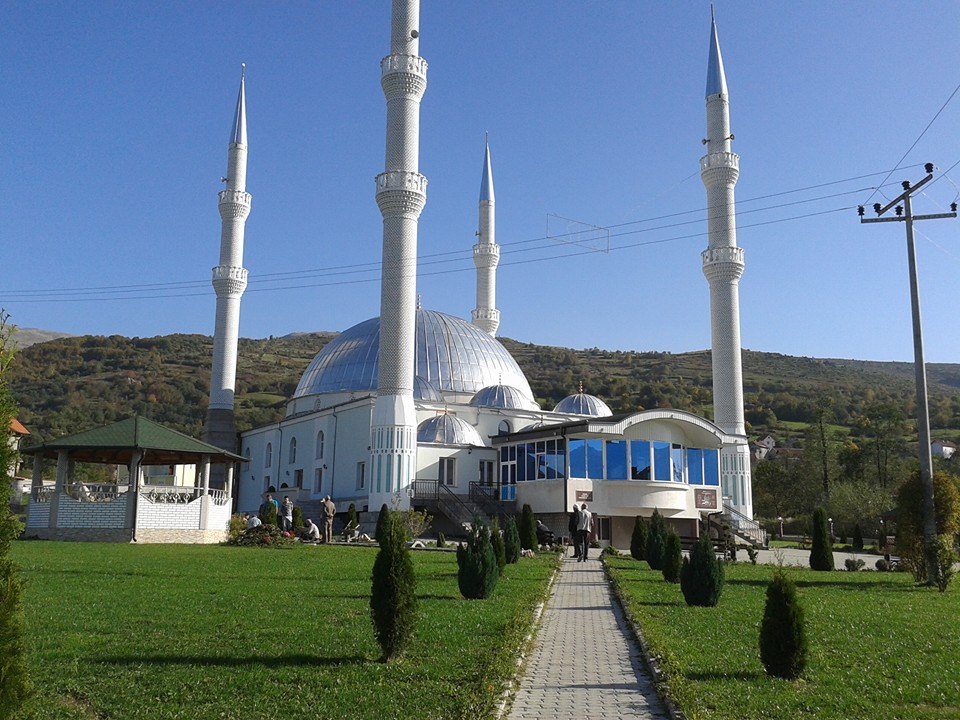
(496, 540)
(857, 538)
(910, 541)
(656, 540)
(701, 575)
(946, 557)
(638, 541)
(441, 540)
(382, 519)
(270, 515)
(528, 529)
(352, 518)
(783, 637)
(236, 528)
(393, 600)
(672, 558)
(821, 552)
(297, 518)
(477, 570)
(511, 542)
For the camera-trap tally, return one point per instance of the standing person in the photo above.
(573, 526)
(286, 522)
(584, 525)
(329, 511)
(265, 506)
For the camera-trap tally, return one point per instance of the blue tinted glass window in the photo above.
(676, 461)
(595, 459)
(513, 452)
(694, 466)
(578, 458)
(711, 467)
(555, 459)
(530, 459)
(661, 461)
(616, 459)
(521, 465)
(639, 460)
(503, 453)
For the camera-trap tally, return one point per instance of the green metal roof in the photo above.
(116, 443)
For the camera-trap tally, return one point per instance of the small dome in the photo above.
(583, 404)
(448, 430)
(503, 396)
(425, 390)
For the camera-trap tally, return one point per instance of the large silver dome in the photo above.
(451, 355)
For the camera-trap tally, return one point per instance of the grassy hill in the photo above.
(74, 383)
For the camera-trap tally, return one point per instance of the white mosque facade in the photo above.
(459, 431)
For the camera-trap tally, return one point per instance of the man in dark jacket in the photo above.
(572, 526)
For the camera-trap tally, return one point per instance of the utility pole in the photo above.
(905, 214)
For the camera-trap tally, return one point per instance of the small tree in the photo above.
(496, 540)
(672, 558)
(857, 538)
(15, 686)
(382, 519)
(528, 528)
(701, 575)
(297, 518)
(656, 540)
(946, 557)
(352, 515)
(270, 515)
(910, 539)
(638, 541)
(511, 541)
(441, 540)
(393, 600)
(821, 553)
(783, 637)
(477, 570)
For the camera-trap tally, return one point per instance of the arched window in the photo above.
(293, 450)
(503, 428)
(268, 456)
(320, 445)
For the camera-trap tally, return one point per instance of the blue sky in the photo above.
(115, 118)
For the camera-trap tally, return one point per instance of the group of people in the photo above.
(284, 511)
(580, 526)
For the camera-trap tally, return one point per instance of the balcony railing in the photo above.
(745, 526)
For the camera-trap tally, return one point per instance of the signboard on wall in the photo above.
(705, 498)
(585, 495)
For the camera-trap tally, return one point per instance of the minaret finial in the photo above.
(419, 301)
(243, 69)
(238, 133)
(716, 78)
(580, 388)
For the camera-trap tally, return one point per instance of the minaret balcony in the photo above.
(229, 280)
(719, 168)
(401, 192)
(403, 75)
(720, 159)
(486, 254)
(234, 204)
(723, 263)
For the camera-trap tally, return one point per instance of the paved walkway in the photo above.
(585, 664)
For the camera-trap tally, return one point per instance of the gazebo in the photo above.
(136, 511)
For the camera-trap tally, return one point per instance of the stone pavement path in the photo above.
(585, 664)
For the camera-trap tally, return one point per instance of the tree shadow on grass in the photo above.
(721, 675)
(280, 661)
(851, 585)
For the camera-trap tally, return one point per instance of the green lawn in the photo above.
(879, 647)
(155, 631)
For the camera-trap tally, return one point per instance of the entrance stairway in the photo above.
(745, 529)
(458, 509)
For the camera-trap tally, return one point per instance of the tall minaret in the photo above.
(401, 195)
(486, 255)
(229, 282)
(723, 266)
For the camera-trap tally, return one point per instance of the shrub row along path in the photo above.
(585, 664)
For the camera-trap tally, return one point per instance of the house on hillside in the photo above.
(761, 448)
(16, 435)
(943, 449)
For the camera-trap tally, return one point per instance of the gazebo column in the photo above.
(36, 479)
(133, 492)
(228, 488)
(63, 469)
(205, 498)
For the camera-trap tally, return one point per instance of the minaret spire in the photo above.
(401, 195)
(723, 266)
(486, 253)
(229, 282)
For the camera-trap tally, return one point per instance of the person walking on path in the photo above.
(572, 527)
(329, 512)
(286, 514)
(584, 525)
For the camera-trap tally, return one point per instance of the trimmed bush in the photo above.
(270, 515)
(672, 558)
(441, 540)
(701, 575)
(853, 564)
(352, 518)
(783, 637)
(236, 528)
(528, 529)
(264, 536)
(393, 600)
(638, 541)
(382, 519)
(910, 542)
(297, 518)
(511, 541)
(857, 538)
(496, 540)
(821, 553)
(477, 570)
(946, 557)
(656, 540)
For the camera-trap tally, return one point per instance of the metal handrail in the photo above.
(453, 506)
(746, 526)
(424, 489)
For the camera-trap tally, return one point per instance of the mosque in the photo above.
(418, 408)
